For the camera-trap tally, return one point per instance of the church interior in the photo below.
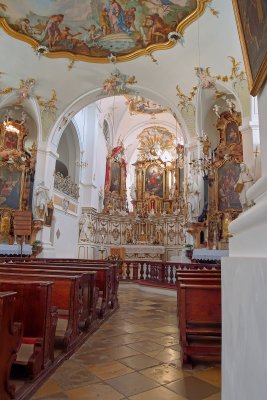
(133, 203)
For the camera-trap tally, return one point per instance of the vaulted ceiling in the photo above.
(207, 41)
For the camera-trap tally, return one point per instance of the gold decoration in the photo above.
(6, 91)
(212, 10)
(49, 105)
(208, 81)
(71, 64)
(154, 141)
(150, 48)
(186, 101)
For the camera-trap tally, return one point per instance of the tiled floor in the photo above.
(134, 355)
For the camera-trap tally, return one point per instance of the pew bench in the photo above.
(65, 297)
(10, 341)
(200, 321)
(34, 310)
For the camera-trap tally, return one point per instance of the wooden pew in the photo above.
(113, 265)
(112, 302)
(200, 321)
(87, 288)
(65, 297)
(10, 339)
(33, 309)
(105, 279)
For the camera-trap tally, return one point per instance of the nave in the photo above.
(134, 355)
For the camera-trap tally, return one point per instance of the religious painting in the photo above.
(154, 180)
(95, 29)
(141, 105)
(10, 140)
(227, 178)
(115, 177)
(10, 187)
(232, 133)
(251, 17)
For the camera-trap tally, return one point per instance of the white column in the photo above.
(244, 299)
(87, 122)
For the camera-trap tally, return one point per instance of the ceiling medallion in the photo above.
(90, 31)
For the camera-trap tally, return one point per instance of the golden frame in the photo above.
(201, 6)
(218, 195)
(256, 79)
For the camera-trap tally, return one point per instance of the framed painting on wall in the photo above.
(10, 187)
(251, 18)
(227, 177)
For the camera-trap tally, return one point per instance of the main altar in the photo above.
(152, 226)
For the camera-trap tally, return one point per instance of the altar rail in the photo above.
(159, 273)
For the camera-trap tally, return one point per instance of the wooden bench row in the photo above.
(199, 315)
(57, 305)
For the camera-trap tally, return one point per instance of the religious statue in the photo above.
(84, 224)
(245, 181)
(192, 200)
(41, 201)
(100, 199)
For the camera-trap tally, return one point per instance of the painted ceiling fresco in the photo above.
(94, 29)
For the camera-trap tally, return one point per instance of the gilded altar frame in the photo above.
(115, 185)
(156, 186)
(224, 204)
(17, 168)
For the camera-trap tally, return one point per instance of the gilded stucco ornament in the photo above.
(208, 81)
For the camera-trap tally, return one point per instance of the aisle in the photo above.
(134, 355)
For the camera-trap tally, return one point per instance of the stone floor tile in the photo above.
(109, 370)
(94, 392)
(50, 387)
(211, 375)
(140, 361)
(164, 373)
(192, 388)
(160, 393)
(132, 384)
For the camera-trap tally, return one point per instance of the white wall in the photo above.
(244, 358)
(244, 291)
(68, 226)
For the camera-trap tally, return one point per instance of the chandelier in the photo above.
(203, 164)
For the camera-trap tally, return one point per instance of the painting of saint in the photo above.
(10, 140)
(154, 181)
(228, 176)
(115, 178)
(232, 133)
(10, 185)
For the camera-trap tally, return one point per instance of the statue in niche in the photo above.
(193, 200)
(41, 201)
(245, 181)
(84, 224)
(100, 199)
